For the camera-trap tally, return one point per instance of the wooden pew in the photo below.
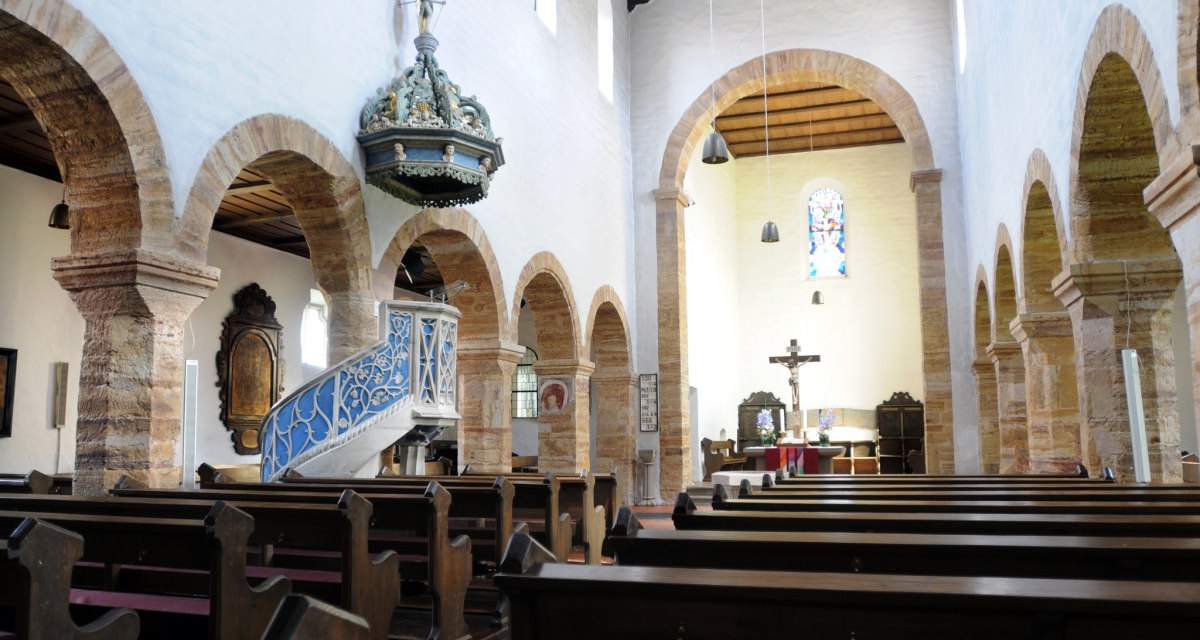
(686, 517)
(1044, 495)
(883, 480)
(540, 496)
(719, 456)
(368, 587)
(446, 564)
(303, 618)
(606, 492)
(32, 482)
(1093, 558)
(35, 582)
(550, 601)
(767, 502)
(215, 545)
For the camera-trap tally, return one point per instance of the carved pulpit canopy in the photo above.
(249, 369)
(425, 142)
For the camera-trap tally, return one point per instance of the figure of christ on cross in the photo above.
(793, 361)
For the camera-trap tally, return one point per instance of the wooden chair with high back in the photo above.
(719, 456)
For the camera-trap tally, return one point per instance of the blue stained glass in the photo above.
(826, 235)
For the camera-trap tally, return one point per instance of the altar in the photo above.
(808, 460)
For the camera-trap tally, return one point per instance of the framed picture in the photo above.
(8, 385)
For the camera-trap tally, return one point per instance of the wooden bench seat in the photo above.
(1048, 495)
(445, 566)
(768, 502)
(686, 517)
(549, 601)
(1103, 558)
(36, 560)
(370, 585)
(215, 544)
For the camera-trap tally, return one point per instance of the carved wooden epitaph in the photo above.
(249, 369)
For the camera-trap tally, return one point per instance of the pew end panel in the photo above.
(304, 618)
(371, 587)
(241, 607)
(35, 579)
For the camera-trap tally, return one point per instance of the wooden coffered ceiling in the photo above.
(805, 115)
(252, 209)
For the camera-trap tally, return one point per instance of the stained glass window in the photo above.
(826, 235)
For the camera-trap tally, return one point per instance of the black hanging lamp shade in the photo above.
(60, 216)
(425, 142)
(818, 297)
(770, 232)
(715, 149)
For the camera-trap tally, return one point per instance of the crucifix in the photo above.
(793, 361)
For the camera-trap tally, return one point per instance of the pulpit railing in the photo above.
(368, 388)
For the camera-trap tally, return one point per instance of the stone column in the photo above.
(926, 185)
(134, 305)
(989, 427)
(1010, 401)
(674, 404)
(564, 445)
(1114, 305)
(616, 414)
(1051, 395)
(485, 402)
(1174, 198)
(353, 324)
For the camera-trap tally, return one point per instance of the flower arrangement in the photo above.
(766, 428)
(824, 426)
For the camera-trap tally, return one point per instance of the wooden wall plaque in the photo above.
(249, 369)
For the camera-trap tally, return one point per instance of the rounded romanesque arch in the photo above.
(563, 371)
(1006, 355)
(1044, 328)
(613, 387)
(325, 193)
(985, 379)
(103, 134)
(1124, 270)
(792, 66)
(487, 349)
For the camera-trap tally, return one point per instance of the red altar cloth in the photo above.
(805, 458)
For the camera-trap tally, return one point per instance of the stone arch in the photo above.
(1006, 355)
(1004, 284)
(487, 349)
(791, 66)
(985, 379)
(102, 131)
(326, 195)
(563, 418)
(613, 387)
(1043, 328)
(1043, 238)
(1124, 271)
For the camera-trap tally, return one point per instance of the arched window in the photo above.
(826, 234)
(314, 331)
(524, 387)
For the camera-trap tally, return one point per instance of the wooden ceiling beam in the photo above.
(724, 120)
(749, 150)
(288, 241)
(819, 128)
(802, 123)
(246, 222)
(819, 92)
(249, 187)
(18, 122)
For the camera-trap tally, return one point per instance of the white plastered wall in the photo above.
(1017, 93)
(909, 41)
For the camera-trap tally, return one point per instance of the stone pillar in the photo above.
(616, 414)
(1010, 402)
(926, 185)
(353, 324)
(1174, 198)
(564, 443)
(1114, 305)
(134, 305)
(989, 427)
(1051, 395)
(485, 376)
(674, 404)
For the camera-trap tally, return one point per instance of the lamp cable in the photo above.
(762, 14)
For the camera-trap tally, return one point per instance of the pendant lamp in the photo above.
(770, 232)
(60, 215)
(715, 149)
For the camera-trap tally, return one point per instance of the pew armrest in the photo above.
(524, 553)
(303, 618)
